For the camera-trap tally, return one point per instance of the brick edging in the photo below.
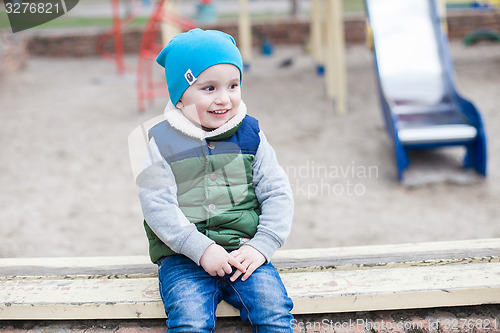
(82, 42)
(481, 318)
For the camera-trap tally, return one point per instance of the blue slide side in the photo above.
(421, 107)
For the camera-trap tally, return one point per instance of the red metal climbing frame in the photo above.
(116, 33)
(147, 88)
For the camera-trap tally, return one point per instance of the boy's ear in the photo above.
(179, 104)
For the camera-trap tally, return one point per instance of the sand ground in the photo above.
(67, 188)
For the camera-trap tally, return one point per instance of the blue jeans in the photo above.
(191, 295)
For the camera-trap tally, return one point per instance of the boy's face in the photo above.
(214, 98)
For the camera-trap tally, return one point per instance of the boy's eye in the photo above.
(233, 86)
(209, 88)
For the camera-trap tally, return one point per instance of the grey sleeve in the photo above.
(158, 197)
(274, 193)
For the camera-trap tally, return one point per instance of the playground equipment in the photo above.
(465, 4)
(484, 5)
(421, 107)
(328, 49)
(483, 33)
(147, 87)
(116, 33)
(166, 20)
(245, 33)
(327, 35)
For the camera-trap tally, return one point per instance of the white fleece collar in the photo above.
(177, 120)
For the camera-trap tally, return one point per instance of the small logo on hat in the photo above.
(190, 77)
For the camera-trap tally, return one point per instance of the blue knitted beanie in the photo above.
(190, 53)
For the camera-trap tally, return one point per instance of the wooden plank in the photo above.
(74, 268)
(387, 256)
(340, 258)
(395, 288)
(312, 292)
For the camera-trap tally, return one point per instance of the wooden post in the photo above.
(317, 50)
(336, 76)
(245, 34)
(336, 87)
(442, 15)
(168, 28)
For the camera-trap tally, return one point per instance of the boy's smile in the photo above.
(214, 98)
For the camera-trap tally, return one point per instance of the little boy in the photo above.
(216, 203)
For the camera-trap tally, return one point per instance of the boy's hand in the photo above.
(250, 258)
(216, 261)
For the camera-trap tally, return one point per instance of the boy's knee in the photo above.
(190, 303)
(263, 301)
(275, 313)
(190, 318)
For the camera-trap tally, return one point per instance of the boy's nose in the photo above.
(222, 98)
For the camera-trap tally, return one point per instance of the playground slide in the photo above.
(421, 107)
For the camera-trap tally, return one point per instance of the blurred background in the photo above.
(70, 96)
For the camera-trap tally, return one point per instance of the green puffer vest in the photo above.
(214, 183)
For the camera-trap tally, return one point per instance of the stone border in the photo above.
(82, 42)
(484, 318)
